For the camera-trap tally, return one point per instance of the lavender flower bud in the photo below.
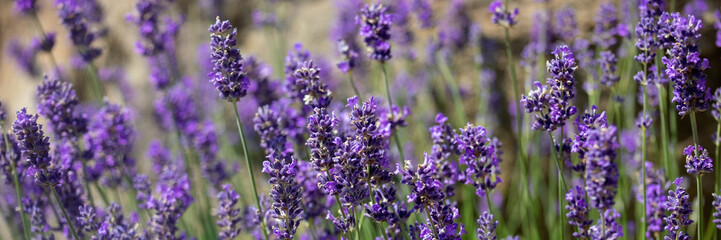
(228, 215)
(228, 75)
(715, 106)
(487, 227)
(74, 16)
(717, 210)
(57, 102)
(601, 169)
(314, 92)
(321, 140)
(35, 148)
(348, 57)
(285, 192)
(578, 212)
(608, 67)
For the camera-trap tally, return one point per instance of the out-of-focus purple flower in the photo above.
(584, 55)
(293, 60)
(585, 123)
(74, 18)
(613, 230)
(24, 56)
(487, 227)
(552, 103)
(57, 102)
(454, 28)
(8, 157)
(35, 148)
(154, 35)
(307, 80)
(401, 29)
(228, 215)
(646, 31)
(119, 77)
(44, 43)
(695, 7)
(87, 219)
(263, 19)
(205, 142)
(390, 121)
(444, 137)
(717, 26)
(34, 210)
(375, 25)
(348, 57)
(715, 106)
(606, 29)
(717, 207)
(312, 196)
(175, 108)
(117, 226)
(601, 169)
(578, 212)
(110, 140)
(344, 26)
(679, 208)
(26, 6)
(566, 27)
(655, 199)
(501, 15)
(285, 192)
(228, 75)
(173, 197)
(697, 160)
(684, 66)
(424, 11)
(607, 62)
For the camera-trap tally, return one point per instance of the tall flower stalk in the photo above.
(228, 77)
(9, 152)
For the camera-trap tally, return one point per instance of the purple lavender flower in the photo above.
(228, 75)
(715, 106)
(57, 102)
(263, 19)
(110, 140)
(647, 43)
(117, 226)
(652, 8)
(74, 18)
(44, 43)
(148, 22)
(173, 197)
(285, 192)
(348, 57)
(566, 25)
(35, 148)
(481, 154)
(205, 142)
(697, 160)
(10, 156)
(424, 11)
(684, 66)
(501, 15)
(601, 169)
(444, 137)
(348, 179)
(487, 227)
(578, 212)
(679, 208)
(426, 188)
(320, 140)
(375, 25)
(442, 215)
(606, 27)
(404, 36)
(695, 7)
(607, 63)
(454, 28)
(38, 223)
(613, 230)
(26, 6)
(655, 199)
(3, 115)
(293, 60)
(373, 144)
(24, 56)
(390, 121)
(312, 196)
(307, 80)
(552, 103)
(87, 219)
(585, 123)
(717, 207)
(228, 215)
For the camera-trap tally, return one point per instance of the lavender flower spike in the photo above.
(228, 215)
(717, 210)
(228, 75)
(35, 148)
(501, 15)
(487, 227)
(375, 26)
(601, 170)
(679, 208)
(578, 212)
(285, 193)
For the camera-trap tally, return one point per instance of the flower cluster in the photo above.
(578, 212)
(35, 148)
(601, 169)
(375, 26)
(57, 102)
(228, 75)
(285, 192)
(697, 160)
(482, 155)
(678, 205)
(552, 102)
(501, 15)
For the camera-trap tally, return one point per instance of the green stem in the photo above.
(39, 25)
(561, 183)
(18, 190)
(249, 166)
(718, 161)
(65, 214)
(488, 202)
(430, 222)
(643, 149)
(390, 110)
(699, 215)
(456, 94)
(664, 128)
(352, 84)
(694, 131)
(93, 74)
(106, 201)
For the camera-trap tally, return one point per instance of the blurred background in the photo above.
(267, 30)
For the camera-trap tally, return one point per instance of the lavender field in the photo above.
(353, 119)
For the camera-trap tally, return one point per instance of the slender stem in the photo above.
(65, 214)
(93, 74)
(390, 110)
(718, 161)
(18, 190)
(430, 222)
(603, 223)
(488, 202)
(43, 35)
(561, 183)
(694, 131)
(352, 84)
(106, 201)
(249, 166)
(699, 215)
(456, 94)
(643, 149)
